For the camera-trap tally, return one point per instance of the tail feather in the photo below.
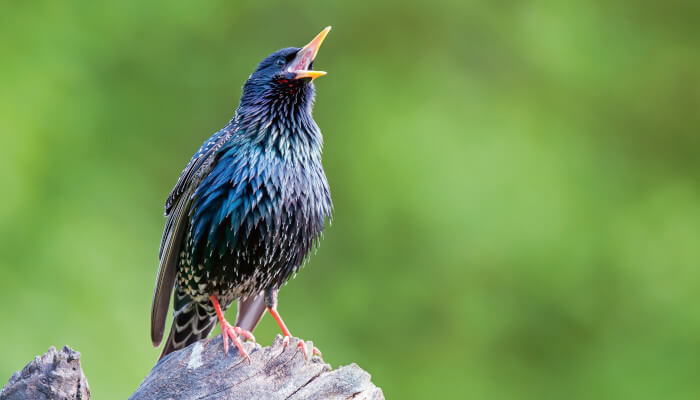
(250, 311)
(191, 322)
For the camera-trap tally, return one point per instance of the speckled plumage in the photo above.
(248, 207)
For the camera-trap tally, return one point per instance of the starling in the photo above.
(247, 208)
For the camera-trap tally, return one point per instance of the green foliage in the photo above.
(515, 185)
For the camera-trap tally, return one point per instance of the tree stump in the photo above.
(275, 372)
(202, 371)
(55, 375)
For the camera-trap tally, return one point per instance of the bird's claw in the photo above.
(246, 334)
(227, 330)
(302, 345)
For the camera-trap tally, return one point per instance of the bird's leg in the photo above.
(227, 330)
(271, 303)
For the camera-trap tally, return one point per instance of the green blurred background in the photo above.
(516, 186)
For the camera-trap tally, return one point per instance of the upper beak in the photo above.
(300, 65)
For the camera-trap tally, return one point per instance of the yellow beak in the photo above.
(308, 74)
(299, 66)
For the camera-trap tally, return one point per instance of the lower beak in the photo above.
(300, 65)
(308, 74)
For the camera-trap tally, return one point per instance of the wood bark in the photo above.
(55, 375)
(203, 371)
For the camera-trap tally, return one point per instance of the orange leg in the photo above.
(229, 331)
(287, 335)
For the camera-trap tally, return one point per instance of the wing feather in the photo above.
(167, 270)
(177, 209)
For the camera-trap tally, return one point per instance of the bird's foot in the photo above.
(302, 345)
(230, 331)
(287, 335)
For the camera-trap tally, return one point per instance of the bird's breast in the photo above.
(258, 221)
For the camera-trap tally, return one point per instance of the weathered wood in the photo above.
(202, 371)
(55, 375)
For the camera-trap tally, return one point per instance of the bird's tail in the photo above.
(191, 322)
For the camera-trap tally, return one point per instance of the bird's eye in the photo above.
(280, 62)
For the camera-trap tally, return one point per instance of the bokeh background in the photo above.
(516, 186)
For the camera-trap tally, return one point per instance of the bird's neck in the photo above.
(275, 123)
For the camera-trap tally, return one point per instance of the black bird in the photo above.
(247, 208)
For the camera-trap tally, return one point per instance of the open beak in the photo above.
(300, 65)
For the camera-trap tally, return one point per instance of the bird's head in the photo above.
(284, 78)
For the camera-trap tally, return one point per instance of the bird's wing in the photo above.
(177, 210)
(167, 269)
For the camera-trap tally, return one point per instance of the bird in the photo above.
(247, 209)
